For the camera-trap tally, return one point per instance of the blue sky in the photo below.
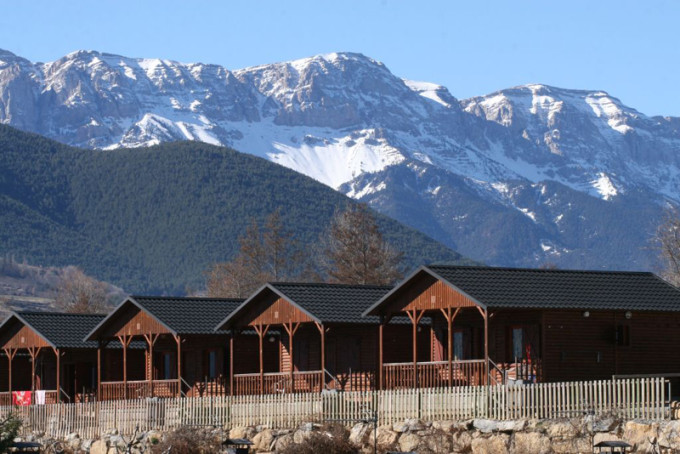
(629, 48)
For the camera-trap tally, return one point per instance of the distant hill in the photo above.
(29, 287)
(153, 219)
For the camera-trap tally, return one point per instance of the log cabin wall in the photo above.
(247, 356)
(397, 346)
(606, 343)
(654, 343)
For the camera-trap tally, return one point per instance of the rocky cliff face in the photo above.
(518, 177)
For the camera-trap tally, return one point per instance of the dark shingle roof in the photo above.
(60, 329)
(188, 315)
(325, 303)
(562, 289)
(333, 303)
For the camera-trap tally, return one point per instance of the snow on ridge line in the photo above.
(427, 90)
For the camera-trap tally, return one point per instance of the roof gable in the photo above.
(56, 329)
(321, 303)
(172, 315)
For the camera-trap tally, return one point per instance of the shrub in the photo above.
(9, 429)
(187, 440)
(332, 439)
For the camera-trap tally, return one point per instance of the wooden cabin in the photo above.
(45, 352)
(183, 356)
(311, 337)
(491, 325)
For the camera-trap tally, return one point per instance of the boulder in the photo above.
(605, 425)
(511, 426)
(238, 432)
(572, 445)
(495, 444)
(386, 437)
(461, 441)
(640, 435)
(437, 441)
(283, 442)
(531, 443)
(409, 441)
(562, 429)
(670, 435)
(99, 447)
(359, 433)
(409, 425)
(301, 435)
(485, 426)
(263, 440)
(445, 426)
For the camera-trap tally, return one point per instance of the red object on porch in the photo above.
(21, 398)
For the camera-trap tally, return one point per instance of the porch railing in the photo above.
(50, 397)
(139, 389)
(278, 383)
(434, 374)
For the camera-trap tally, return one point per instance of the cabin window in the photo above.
(623, 336)
(517, 344)
(523, 342)
(212, 364)
(458, 345)
(167, 366)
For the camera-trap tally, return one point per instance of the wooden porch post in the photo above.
(10, 352)
(415, 318)
(291, 329)
(150, 340)
(99, 370)
(34, 354)
(486, 343)
(380, 354)
(58, 355)
(322, 331)
(231, 363)
(449, 327)
(125, 342)
(261, 331)
(178, 339)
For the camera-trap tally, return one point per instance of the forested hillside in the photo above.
(153, 219)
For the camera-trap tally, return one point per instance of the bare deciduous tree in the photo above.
(78, 292)
(355, 252)
(265, 255)
(667, 239)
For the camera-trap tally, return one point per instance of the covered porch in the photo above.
(167, 348)
(303, 345)
(462, 334)
(43, 363)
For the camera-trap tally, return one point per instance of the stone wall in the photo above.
(479, 436)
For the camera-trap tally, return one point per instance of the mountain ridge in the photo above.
(345, 120)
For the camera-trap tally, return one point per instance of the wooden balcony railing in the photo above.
(522, 370)
(50, 398)
(434, 374)
(139, 389)
(278, 383)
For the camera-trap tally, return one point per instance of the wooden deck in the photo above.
(278, 383)
(139, 389)
(434, 374)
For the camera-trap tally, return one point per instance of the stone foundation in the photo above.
(479, 436)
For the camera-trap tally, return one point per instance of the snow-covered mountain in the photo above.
(518, 177)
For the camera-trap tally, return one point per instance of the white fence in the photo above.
(642, 398)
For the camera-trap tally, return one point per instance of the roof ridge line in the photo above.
(546, 270)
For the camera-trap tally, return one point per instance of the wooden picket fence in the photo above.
(639, 398)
